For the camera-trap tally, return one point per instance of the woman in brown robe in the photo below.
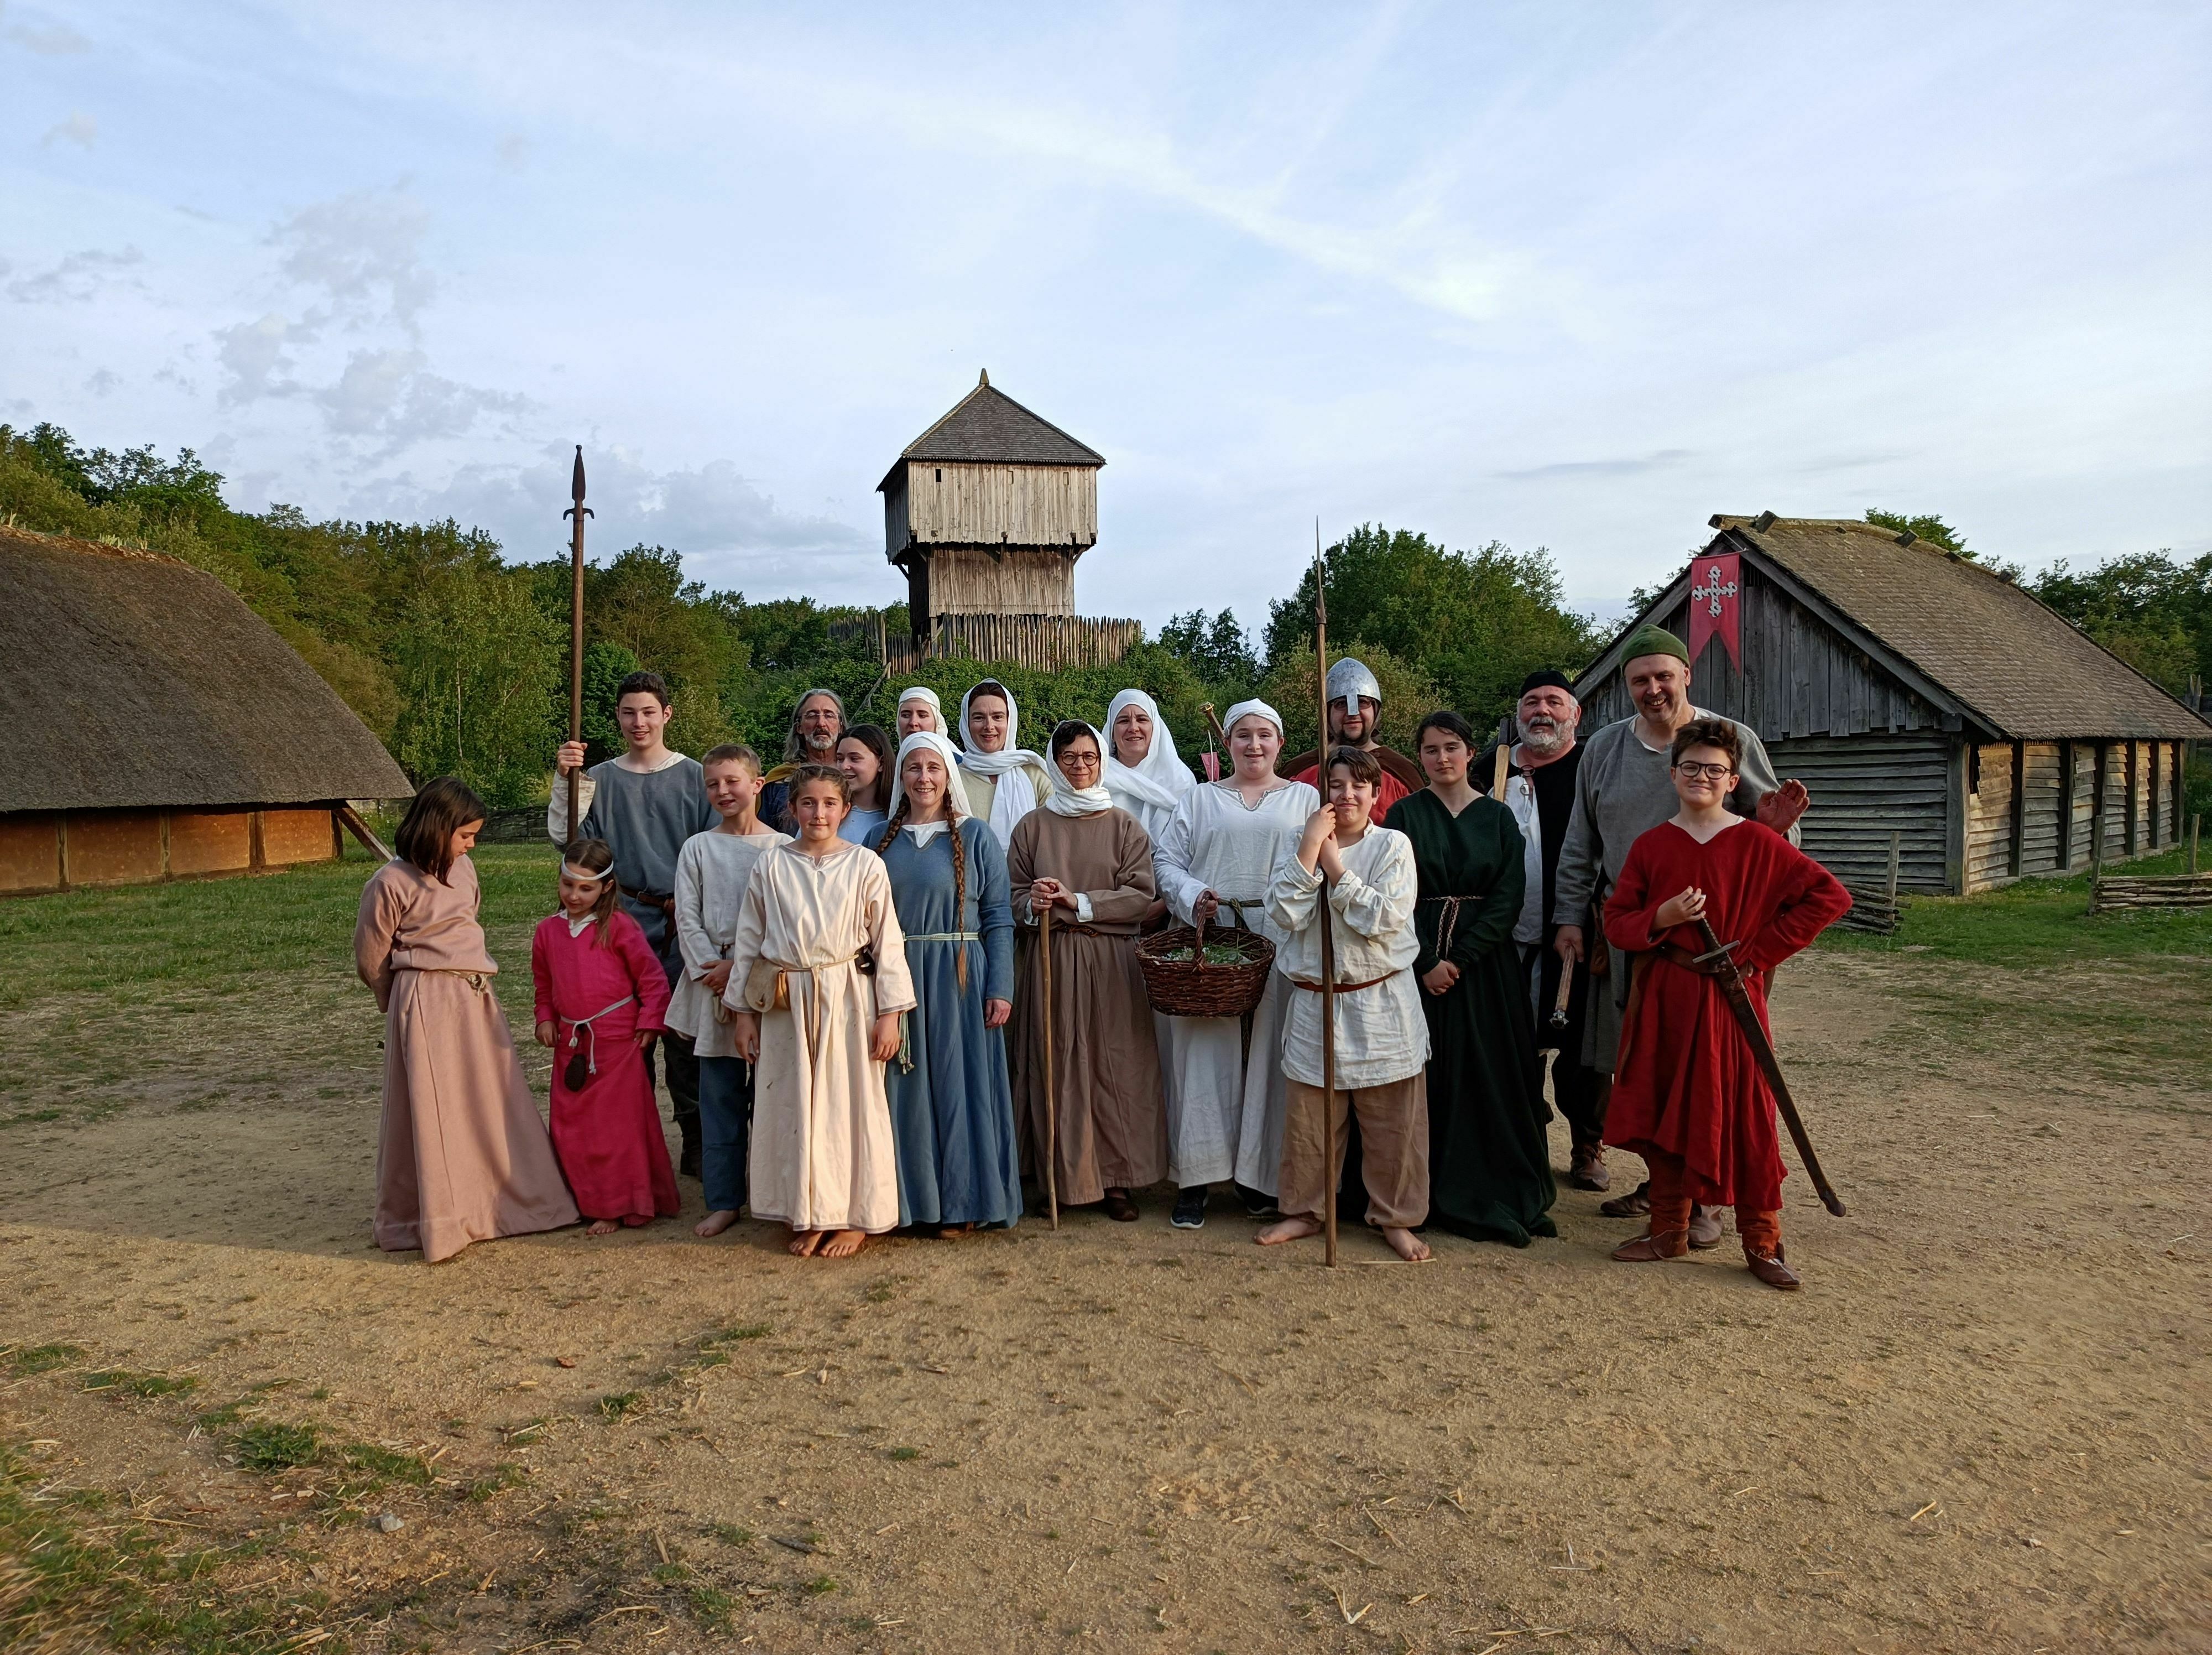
(1090, 864)
(462, 1154)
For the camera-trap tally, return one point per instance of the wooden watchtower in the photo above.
(987, 511)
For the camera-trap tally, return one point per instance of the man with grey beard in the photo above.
(1540, 793)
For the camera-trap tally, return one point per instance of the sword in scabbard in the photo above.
(1719, 960)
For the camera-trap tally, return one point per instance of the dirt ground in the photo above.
(1983, 1427)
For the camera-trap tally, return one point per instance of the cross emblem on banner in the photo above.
(1713, 602)
(1713, 591)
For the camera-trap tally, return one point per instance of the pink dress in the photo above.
(607, 1131)
(462, 1155)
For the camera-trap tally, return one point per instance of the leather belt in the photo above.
(1343, 987)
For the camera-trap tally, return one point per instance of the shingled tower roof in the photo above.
(987, 427)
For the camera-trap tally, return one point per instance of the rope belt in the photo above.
(944, 936)
(480, 981)
(1447, 922)
(1343, 987)
(592, 1065)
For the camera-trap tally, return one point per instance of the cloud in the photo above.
(58, 41)
(352, 246)
(102, 382)
(77, 278)
(513, 152)
(80, 128)
(252, 353)
(391, 394)
(1655, 461)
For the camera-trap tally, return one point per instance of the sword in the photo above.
(1720, 957)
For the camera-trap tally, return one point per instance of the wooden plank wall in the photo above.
(965, 581)
(2042, 803)
(1800, 677)
(1864, 789)
(999, 505)
(1045, 643)
(1989, 818)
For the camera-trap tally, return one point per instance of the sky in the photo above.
(1558, 275)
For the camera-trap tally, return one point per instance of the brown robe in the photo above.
(462, 1153)
(1111, 1119)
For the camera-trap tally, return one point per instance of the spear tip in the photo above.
(576, 478)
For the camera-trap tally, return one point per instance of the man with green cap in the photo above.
(1624, 788)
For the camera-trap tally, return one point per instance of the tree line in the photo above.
(458, 660)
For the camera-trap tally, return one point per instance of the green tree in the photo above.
(1473, 623)
(1926, 526)
(479, 665)
(1219, 650)
(1409, 695)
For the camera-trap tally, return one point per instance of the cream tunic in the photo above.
(711, 870)
(1380, 1034)
(1224, 1108)
(822, 1154)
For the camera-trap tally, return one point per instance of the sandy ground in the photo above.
(1983, 1427)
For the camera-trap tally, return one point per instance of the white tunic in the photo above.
(711, 870)
(1380, 1034)
(822, 1154)
(1224, 1110)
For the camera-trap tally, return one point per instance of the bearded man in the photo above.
(1624, 787)
(1545, 757)
(1355, 712)
(817, 723)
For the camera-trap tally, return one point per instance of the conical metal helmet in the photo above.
(1349, 680)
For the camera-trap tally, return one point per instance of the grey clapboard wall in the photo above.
(1866, 787)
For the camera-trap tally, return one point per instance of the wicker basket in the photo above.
(1191, 988)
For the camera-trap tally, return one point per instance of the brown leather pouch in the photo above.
(767, 988)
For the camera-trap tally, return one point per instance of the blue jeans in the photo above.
(726, 1119)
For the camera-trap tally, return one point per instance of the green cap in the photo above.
(1655, 641)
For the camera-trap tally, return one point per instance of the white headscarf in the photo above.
(956, 790)
(923, 692)
(1068, 799)
(1151, 788)
(1008, 804)
(1245, 709)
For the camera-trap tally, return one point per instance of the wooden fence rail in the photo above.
(1045, 643)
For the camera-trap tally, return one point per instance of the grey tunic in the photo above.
(1622, 790)
(644, 817)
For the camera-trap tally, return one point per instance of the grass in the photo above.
(272, 1446)
(214, 935)
(140, 1384)
(44, 1359)
(2042, 922)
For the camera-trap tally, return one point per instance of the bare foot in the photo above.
(1289, 1229)
(844, 1243)
(605, 1227)
(1407, 1245)
(714, 1223)
(804, 1241)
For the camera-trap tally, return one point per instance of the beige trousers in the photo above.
(1394, 1149)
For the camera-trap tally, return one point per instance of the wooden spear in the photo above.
(577, 511)
(1328, 935)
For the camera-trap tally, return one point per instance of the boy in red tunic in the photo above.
(602, 997)
(1688, 1095)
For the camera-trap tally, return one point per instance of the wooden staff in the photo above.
(1327, 934)
(577, 511)
(1213, 723)
(1051, 1101)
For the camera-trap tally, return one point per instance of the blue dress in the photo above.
(862, 827)
(952, 1112)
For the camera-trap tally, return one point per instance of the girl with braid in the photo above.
(952, 1112)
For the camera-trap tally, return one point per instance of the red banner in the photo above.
(1715, 590)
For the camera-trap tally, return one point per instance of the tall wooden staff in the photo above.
(1051, 1098)
(577, 511)
(1327, 934)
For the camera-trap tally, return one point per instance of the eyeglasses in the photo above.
(1079, 761)
(1718, 772)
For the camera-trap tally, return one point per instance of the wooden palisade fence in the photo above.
(2116, 893)
(1045, 643)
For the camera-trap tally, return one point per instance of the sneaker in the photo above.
(1190, 1208)
(1258, 1203)
(1587, 1169)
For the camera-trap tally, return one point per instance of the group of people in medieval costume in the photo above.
(895, 976)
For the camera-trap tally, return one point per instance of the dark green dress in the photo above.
(1490, 1167)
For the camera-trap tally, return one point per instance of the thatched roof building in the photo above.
(163, 729)
(1919, 693)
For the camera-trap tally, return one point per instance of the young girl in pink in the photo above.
(601, 998)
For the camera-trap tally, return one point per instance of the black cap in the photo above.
(1547, 679)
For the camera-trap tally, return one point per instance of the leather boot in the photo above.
(1586, 1170)
(1770, 1268)
(1652, 1249)
(1635, 1204)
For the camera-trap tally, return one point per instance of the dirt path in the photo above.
(1981, 1428)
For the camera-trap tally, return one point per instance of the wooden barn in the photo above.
(985, 513)
(1916, 692)
(160, 728)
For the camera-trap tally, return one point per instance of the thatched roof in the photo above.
(2011, 663)
(128, 679)
(987, 427)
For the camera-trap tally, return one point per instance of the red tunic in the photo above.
(607, 1135)
(1686, 1083)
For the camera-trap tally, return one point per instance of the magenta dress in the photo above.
(606, 1132)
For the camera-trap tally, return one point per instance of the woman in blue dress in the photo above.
(952, 1109)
